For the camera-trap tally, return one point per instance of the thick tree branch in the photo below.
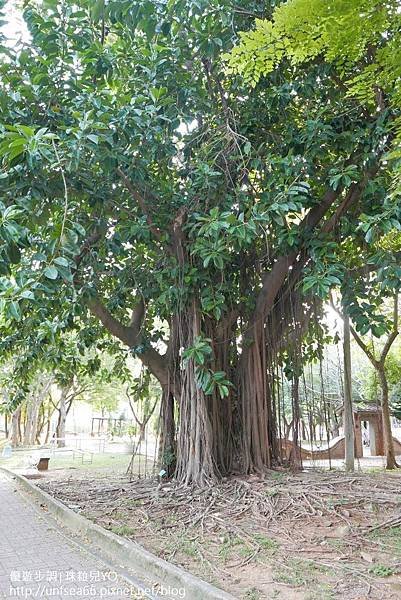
(113, 325)
(137, 316)
(131, 336)
(350, 199)
(176, 248)
(128, 334)
(274, 279)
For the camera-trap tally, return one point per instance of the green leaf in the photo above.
(14, 254)
(97, 11)
(93, 138)
(28, 294)
(50, 272)
(14, 310)
(60, 260)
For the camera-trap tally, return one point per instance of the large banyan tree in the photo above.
(199, 218)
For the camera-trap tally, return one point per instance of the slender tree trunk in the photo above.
(62, 417)
(288, 427)
(295, 457)
(391, 463)
(48, 423)
(348, 411)
(28, 422)
(335, 429)
(15, 428)
(380, 366)
(311, 427)
(19, 426)
(41, 422)
(32, 406)
(31, 423)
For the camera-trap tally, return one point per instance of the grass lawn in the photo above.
(60, 464)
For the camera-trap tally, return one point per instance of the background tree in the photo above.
(378, 361)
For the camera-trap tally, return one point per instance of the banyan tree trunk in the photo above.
(221, 409)
(254, 398)
(196, 462)
(167, 440)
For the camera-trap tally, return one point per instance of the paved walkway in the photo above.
(361, 464)
(38, 561)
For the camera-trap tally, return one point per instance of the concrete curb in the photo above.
(128, 554)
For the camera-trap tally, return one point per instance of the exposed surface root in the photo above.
(309, 535)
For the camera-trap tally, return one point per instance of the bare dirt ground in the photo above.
(309, 536)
